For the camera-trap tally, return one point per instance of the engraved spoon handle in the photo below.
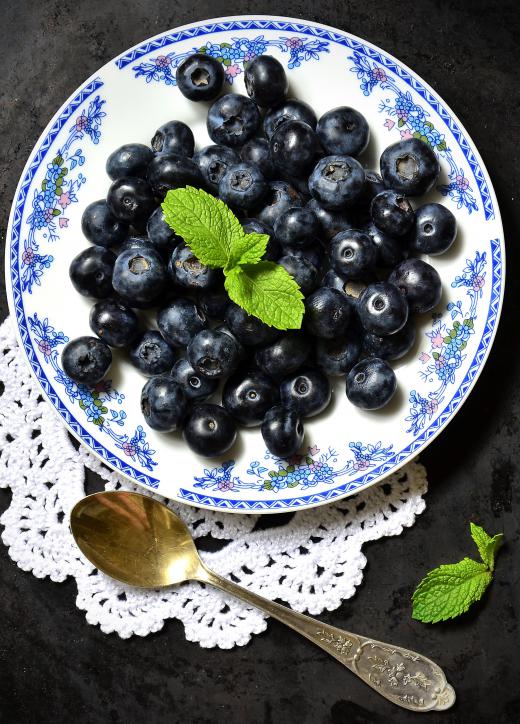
(403, 677)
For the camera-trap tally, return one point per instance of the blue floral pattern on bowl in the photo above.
(57, 191)
(97, 404)
(233, 56)
(412, 121)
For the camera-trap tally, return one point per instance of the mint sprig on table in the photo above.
(448, 591)
(216, 237)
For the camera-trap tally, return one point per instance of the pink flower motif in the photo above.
(431, 406)
(438, 340)
(389, 124)
(63, 222)
(225, 485)
(462, 182)
(439, 363)
(48, 215)
(478, 283)
(233, 70)
(360, 464)
(424, 357)
(406, 135)
(293, 42)
(379, 73)
(44, 347)
(314, 450)
(28, 256)
(128, 449)
(64, 200)
(162, 61)
(81, 122)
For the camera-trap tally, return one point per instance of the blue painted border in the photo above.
(340, 39)
(187, 495)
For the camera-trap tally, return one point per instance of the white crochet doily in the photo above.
(312, 563)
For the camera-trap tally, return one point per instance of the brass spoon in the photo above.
(141, 542)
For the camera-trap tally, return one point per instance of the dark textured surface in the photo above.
(54, 667)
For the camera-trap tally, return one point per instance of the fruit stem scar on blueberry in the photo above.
(337, 171)
(354, 289)
(428, 228)
(211, 424)
(234, 124)
(138, 265)
(379, 303)
(407, 167)
(145, 406)
(200, 77)
(360, 378)
(191, 264)
(402, 203)
(241, 180)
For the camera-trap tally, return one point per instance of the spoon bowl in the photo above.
(141, 542)
(134, 539)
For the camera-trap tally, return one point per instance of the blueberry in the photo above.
(130, 160)
(249, 330)
(213, 354)
(353, 288)
(86, 360)
(151, 354)
(327, 313)
(371, 384)
(101, 227)
(280, 196)
(352, 254)
(114, 322)
(297, 226)
(302, 270)
(307, 392)
(282, 431)
(373, 186)
(139, 277)
(171, 171)
(232, 120)
(163, 404)
(200, 77)
(242, 354)
(131, 200)
(256, 151)
(247, 396)
(343, 130)
(209, 430)
(434, 231)
(160, 234)
(291, 110)
(188, 272)
(392, 347)
(293, 147)
(338, 356)
(331, 222)
(213, 162)
(136, 243)
(382, 309)
(174, 137)
(273, 249)
(392, 213)
(265, 80)
(214, 302)
(314, 254)
(336, 181)
(91, 272)
(409, 167)
(242, 185)
(390, 250)
(180, 321)
(285, 355)
(194, 385)
(420, 284)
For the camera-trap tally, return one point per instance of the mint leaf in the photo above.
(487, 546)
(205, 223)
(450, 590)
(268, 292)
(248, 249)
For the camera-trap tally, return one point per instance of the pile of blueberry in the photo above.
(346, 235)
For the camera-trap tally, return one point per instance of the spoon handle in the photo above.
(404, 677)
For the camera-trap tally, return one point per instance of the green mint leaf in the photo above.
(487, 545)
(248, 249)
(450, 590)
(265, 290)
(205, 223)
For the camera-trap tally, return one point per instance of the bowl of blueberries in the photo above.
(256, 264)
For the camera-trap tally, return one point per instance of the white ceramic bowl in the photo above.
(346, 449)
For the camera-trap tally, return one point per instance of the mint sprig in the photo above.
(216, 237)
(448, 591)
